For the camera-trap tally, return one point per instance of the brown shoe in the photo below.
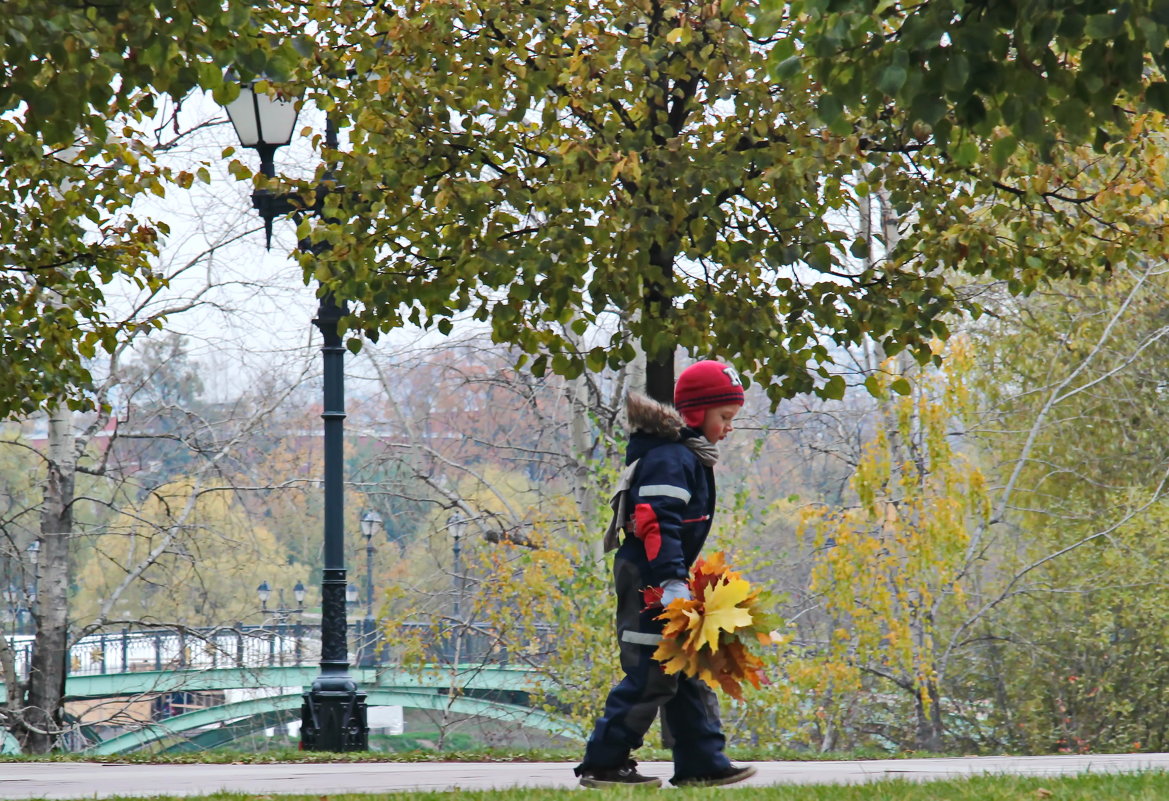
(620, 776)
(731, 774)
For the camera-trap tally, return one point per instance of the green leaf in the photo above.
(873, 385)
(1103, 26)
(787, 69)
(834, 388)
(765, 26)
(966, 153)
(892, 79)
(828, 107)
(901, 386)
(1002, 150)
(1157, 96)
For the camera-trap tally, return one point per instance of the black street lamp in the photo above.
(371, 522)
(265, 124)
(333, 715)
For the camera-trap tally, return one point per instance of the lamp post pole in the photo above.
(333, 714)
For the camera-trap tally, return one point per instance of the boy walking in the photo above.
(667, 516)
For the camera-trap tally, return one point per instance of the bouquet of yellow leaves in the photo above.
(716, 636)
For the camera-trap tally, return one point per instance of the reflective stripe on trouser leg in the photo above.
(633, 703)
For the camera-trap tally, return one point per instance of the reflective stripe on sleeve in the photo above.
(640, 637)
(667, 490)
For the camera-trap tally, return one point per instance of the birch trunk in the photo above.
(41, 723)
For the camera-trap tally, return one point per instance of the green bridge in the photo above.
(488, 689)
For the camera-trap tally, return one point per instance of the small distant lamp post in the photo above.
(457, 550)
(371, 522)
(264, 592)
(457, 524)
(333, 715)
(33, 551)
(283, 615)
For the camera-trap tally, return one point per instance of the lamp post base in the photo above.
(333, 718)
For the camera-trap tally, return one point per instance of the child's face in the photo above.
(717, 422)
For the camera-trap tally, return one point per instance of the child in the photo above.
(671, 498)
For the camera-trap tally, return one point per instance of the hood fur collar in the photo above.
(651, 417)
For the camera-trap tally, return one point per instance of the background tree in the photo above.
(81, 85)
(890, 568)
(1074, 382)
(189, 554)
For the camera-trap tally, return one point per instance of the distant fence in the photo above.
(284, 644)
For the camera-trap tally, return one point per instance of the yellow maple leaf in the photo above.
(682, 617)
(673, 658)
(722, 613)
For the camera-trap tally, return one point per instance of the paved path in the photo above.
(98, 780)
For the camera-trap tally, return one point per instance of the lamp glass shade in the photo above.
(264, 592)
(351, 593)
(456, 523)
(369, 523)
(262, 120)
(298, 592)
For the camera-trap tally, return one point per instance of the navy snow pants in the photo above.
(689, 707)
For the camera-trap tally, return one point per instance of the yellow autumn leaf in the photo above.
(680, 623)
(722, 612)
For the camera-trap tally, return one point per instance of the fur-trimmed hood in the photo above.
(649, 416)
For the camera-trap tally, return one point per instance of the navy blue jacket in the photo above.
(671, 502)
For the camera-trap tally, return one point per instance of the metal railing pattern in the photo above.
(283, 644)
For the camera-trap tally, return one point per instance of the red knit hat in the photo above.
(704, 385)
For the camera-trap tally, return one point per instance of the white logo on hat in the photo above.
(733, 376)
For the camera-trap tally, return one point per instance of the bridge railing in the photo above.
(284, 644)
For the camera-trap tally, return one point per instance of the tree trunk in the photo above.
(584, 489)
(929, 733)
(659, 376)
(46, 682)
(659, 362)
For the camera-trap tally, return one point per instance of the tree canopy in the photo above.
(592, 176)
(647, 171)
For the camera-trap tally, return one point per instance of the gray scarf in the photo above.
(706, 450)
